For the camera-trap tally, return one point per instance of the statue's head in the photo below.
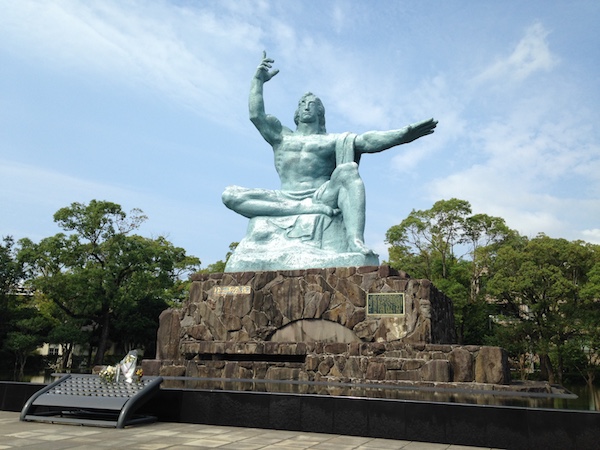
(320, 110)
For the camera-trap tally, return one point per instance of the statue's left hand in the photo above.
(419, 129)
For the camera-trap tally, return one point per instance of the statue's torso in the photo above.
(304, 161)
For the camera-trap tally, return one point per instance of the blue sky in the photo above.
(144, 103)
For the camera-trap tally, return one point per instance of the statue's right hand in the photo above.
(262, 72)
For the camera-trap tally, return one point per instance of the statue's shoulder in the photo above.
(329, 137)
(285, 131)
(341, 136)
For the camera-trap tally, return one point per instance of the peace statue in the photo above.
(317, 218)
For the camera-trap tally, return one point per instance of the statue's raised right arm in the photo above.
(269, 126)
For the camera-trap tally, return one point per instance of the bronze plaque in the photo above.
(231, 290)
(385, 304)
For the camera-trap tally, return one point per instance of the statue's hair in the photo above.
(320, 111)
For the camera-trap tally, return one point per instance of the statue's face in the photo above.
(308, 110)
(311, 110)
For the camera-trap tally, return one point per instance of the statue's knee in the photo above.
(348, 167)
(230, 196)
(347, 173)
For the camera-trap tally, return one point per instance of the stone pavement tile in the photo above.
(15, 443)
(349, 440)
(207, 443)
(25, 434)
(327, 446)
(262, 439)
(153, 446)
(383, 444)
(301, 436)
(180, 436)
(294, 444)
(158, 443)
(287, 446)
(161, 433)
(244, 433)
(280, 434)
(242, 445)
(414, 445)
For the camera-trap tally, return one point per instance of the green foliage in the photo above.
(539, 281)
(11, 275)
(425, 245)
(102, 276)
(537, 296)
(28, 329)
(11, 271)
(512, 335)
(430, 235)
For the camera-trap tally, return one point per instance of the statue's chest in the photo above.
(307, 148)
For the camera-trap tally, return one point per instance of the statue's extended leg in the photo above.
(264, 202)
(348, 185)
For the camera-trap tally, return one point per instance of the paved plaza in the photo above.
(162, 435)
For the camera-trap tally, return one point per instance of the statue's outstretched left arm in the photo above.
(377, 141)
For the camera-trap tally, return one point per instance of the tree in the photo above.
(22, 327)
(11, 274)
(11, 278)
(101, 272)
(539, 283)
(588, 340)
(29, 331)
(425, 245)
(65, 331)
(430, 235)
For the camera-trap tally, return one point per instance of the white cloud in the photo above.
(530, 55)
(187, 54)
(592, 235)
(531, 174)
(28, 209)
(46, 188)
(34, 194)
(530, 154)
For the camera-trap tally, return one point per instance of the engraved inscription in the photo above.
(231, 290)
(385, 304)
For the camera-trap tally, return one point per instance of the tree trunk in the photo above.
(589, 379)
(65, 362)
(546, 371)
(20, 361)
(559, 368)
(523, 366)
(103, 344)
(69, 360)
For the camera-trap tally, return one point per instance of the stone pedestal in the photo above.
(317, 325)
(325, 305)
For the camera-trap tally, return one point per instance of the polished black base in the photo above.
(462, 424)
(451, 423)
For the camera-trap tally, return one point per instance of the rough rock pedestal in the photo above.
(326, 305)
(313, 325)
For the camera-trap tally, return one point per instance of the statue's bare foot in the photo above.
(324, 209)
(358, 246)
(319, 208)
